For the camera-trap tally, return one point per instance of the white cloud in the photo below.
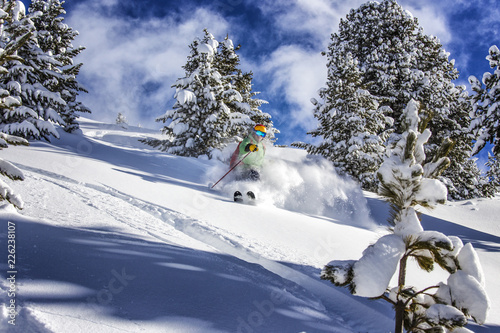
(126, 57)
(463, 27)
(298, 74)
(318, 18)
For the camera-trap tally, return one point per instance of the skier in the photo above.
(251, 153)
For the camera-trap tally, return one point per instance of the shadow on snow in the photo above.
(122, 276)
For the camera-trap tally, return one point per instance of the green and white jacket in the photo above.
(254, 159)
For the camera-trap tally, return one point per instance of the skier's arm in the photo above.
(234, 156)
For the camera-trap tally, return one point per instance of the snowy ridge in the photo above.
(118, 237)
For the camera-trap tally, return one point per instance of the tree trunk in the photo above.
(400, 309)
(400, 305)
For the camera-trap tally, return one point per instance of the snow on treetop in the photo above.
(410, 114)
(205, 48)
(228, 43)
(208, 45)
(212, 41)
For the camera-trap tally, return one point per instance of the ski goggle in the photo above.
(260, 133)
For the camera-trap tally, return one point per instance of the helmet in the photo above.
(260, 130)
(260, 127)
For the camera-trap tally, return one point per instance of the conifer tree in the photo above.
(122, 120)
(486, 115)
(486, 105)
(55, 37)
(398, 62)
(352, 126)
(238, 96)
(37, 116)
(210, 109)
(199, 118)
(7, 102)
(407, 180)
(493, 174)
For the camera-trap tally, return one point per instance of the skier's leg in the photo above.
(253, 175)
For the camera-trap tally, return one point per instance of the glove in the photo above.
(251, 147)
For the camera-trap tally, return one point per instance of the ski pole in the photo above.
(234, 166)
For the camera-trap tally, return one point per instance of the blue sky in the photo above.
(136, 49)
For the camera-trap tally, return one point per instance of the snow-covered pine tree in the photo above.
(8, 52)
(226, 61)
(7, 102)
(486, 114)
(199, 120)
(37, 116)
(55, 37)
(352, 126)
(398, 62)
(122, 120)
(210, 111)
(407, 180)
(238, 95)
(486, 105)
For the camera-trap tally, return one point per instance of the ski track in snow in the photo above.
(155, 221)
(146, 216)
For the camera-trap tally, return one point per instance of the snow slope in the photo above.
(118, 237)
